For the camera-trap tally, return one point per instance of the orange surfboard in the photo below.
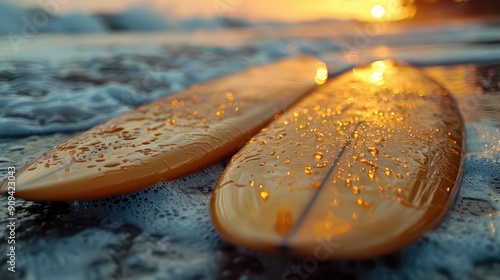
(360, 168)
(169, 138)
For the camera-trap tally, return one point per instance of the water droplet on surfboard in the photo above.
(318, 155)
(373, 151)
(264, 195)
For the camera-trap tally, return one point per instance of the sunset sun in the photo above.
(377, 11)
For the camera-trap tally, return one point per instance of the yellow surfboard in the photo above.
(169, 138)
(360, 168)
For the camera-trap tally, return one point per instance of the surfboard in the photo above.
(360, 168)
(169, 138)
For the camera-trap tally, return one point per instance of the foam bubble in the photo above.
(27, 115)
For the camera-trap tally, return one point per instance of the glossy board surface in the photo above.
(359, 168)
(169, 138)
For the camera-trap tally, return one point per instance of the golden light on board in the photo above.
(376, 73)
(321, 73)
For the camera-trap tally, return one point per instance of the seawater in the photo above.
(60, 83)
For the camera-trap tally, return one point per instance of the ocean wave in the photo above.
(21, 21)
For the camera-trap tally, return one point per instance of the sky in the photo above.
(277, 10)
